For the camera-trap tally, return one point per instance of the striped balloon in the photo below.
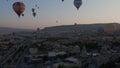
(19, 8)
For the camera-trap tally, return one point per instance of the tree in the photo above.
(109, 64)
(61, 66)
(75, 67)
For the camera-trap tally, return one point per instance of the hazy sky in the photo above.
(91, 11)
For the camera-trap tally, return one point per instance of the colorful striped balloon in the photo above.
(19, 8)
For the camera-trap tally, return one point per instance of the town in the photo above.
(61, 50)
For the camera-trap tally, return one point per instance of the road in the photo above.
(11, 53)
(21, 64)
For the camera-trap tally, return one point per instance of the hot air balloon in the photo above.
(77, 3)
(35, 5)
(38, 7)
(75, 24)
(56, 21)
(34, 14)
(33, 10)
(19, 8)
(38, 29)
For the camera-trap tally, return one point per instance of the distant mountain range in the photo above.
(6, 30)
(80, 27)
(63, 28)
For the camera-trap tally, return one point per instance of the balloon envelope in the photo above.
(34, 14)
(38, 29)
(19, 8)
(56, 21)
(77, 3)
(33, 10)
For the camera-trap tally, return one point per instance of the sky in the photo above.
(50, 11)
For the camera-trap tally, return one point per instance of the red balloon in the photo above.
(19, 8)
